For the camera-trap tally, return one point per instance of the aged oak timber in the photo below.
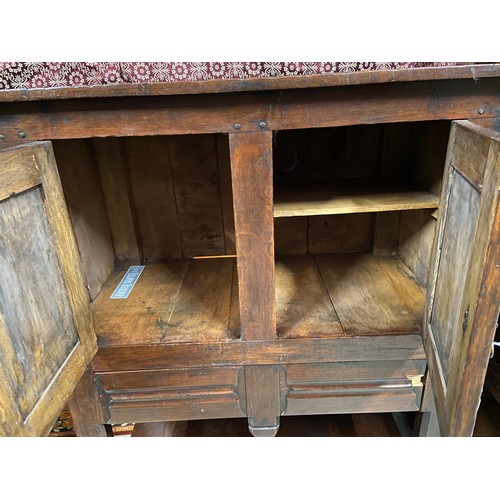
(311, 245)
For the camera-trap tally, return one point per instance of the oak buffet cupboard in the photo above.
(310, 245)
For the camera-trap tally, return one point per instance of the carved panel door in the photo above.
(46, 334)
(463, 300)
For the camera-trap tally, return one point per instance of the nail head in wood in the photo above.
(22, 135)
(262, 124)
(480, 111)
(237, 126)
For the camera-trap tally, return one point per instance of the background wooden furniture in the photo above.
(300, 247)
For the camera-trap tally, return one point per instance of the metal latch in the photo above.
(416, 380)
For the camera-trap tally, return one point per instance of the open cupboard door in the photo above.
(463, 300)
(46, 334)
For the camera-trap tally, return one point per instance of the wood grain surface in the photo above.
(341, 197)
(46, 334)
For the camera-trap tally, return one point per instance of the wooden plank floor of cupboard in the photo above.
(322, 296)
(172, 301)
(203, 306)
(303, 307)
(346, 295)
(372, 295)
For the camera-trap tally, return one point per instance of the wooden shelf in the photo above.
(173, 301)
(336, 295)
(349, 196)
(317, 296)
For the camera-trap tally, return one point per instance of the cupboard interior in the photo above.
(355, 212)
(357, 267)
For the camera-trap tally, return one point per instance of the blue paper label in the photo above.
(122, 291)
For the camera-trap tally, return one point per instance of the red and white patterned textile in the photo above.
(40, 75)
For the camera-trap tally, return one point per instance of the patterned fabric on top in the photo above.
(40, 75)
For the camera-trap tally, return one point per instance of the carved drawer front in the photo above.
(160, 395)
(353, 387)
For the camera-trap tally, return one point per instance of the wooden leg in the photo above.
(251, 156)
(86, 409)
(263, 400)
(427, 423)
(429, 426)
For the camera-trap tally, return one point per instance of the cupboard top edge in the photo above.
(466, 71)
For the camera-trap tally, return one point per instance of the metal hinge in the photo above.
(466, 320)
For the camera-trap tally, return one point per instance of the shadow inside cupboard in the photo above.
(161, 202)
(355, 212)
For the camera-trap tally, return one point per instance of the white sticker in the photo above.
(122, 291)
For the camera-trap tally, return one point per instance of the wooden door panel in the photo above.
(463, 211)
(46, 335)
(464, 292)
(33, 297)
